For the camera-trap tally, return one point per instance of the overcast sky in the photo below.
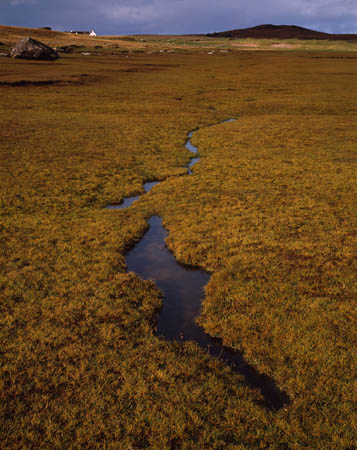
(178, 16)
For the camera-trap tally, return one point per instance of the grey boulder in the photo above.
(28, 48)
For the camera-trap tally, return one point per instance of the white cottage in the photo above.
(92, 33)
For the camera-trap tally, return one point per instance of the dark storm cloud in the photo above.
(179, 16)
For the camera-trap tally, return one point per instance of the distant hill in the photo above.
(281, 32)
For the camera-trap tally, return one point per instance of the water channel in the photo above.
(182, 288)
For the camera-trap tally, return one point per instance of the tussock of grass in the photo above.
(270, 211)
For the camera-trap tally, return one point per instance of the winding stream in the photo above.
(129, 200)
(182, 287)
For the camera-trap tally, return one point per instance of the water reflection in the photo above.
(183, 291)
(194, 149)
(128, 201)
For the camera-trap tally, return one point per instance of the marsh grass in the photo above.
(269, 210)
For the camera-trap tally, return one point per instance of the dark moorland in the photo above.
(269, 31)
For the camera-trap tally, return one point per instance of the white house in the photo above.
(92, 33)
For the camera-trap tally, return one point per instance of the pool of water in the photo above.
(183, 289)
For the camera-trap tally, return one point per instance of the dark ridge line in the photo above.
(269, 31)
(30, 83)
(26, 83)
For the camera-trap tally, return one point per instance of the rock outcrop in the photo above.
(68, 48)
(28, 48)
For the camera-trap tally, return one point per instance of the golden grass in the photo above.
(270, 211)
(10, 35)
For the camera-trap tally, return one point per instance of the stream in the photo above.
(183, 289)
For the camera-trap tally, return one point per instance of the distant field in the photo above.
(270, 211)
(155, 43)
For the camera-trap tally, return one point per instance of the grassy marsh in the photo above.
(270, 211)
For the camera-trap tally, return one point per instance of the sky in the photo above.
(178, 16)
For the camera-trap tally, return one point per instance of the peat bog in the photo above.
(269, 213)
(182, 287)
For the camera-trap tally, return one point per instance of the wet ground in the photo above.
(183, 289)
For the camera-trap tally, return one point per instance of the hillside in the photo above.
(114, 45)
(269, 31)
(9, 35)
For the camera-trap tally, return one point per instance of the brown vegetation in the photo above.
(270, 210)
